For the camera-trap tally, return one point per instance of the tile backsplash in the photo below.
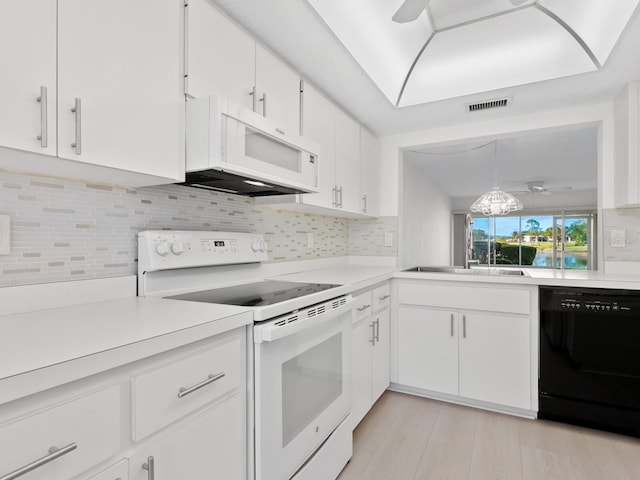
(68, 230)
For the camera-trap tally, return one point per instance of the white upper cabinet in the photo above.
(28, 59)
(119, 69)
(319, 124)
(369, 172)
(278, 91)
(100, 82)
(221, 57)
(348, 162)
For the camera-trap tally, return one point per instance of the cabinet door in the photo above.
(428, 349)
(220, 55)
(495, 359)
(348, 162)
(28, 59)
(362, 339)
(380, 355)
(369, 171)
(122, 60)
(211, 445)
(319, 124)
(278, 90)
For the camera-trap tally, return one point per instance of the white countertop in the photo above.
(354, 276)
(48, 344)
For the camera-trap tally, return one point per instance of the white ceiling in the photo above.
(559, 159)
(293, 30)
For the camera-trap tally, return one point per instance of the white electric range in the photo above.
(301, 363)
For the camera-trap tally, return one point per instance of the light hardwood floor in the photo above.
(405, 437)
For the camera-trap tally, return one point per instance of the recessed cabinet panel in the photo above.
(278, 90)
(362, 339)
(348, 162)
(28, 59)
(119, 70)
(369, 172)
(380, 355)
(318, 124)
(428, 349)
(220, 55)
(495, 359)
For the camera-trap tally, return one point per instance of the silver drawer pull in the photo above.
(362, 308)
(377, 334)
(54, 453)
(44, 135)
(77, 110)
(150, 467)
(184, 391)
(384, 297)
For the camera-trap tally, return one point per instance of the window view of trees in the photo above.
(550, 240)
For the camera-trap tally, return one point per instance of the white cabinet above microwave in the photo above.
(234, 150)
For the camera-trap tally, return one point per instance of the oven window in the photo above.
(264, 148)
(311, 382)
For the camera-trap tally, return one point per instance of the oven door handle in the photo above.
(272, 332)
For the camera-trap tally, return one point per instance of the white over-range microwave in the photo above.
(235, 150)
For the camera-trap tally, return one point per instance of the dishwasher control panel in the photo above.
(589, 300)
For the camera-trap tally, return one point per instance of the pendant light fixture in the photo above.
(496, 202)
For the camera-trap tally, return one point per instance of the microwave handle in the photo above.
(272, 332)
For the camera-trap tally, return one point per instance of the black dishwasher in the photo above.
(590, 357)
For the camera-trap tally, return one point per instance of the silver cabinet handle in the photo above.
(253, 94)
(150, 467)
(364, 204)
(384, 297)
(334, 192)
(44, 135)
(452, 324)
(77, 109)
(363, 308)
(264, 104)
(464, 326)
(377, 335)
(184, 391)
(372, 340)
(340, 197)
(54, 453)
(301, 130)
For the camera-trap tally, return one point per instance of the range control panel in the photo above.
(166, 249)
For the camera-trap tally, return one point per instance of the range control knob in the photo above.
(163, 249)
(255, 246)
(177, 248)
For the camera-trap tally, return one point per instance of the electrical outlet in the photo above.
(309, 239)
(5, 234)
(388, 239)
(618, 238)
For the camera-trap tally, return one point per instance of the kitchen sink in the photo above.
(470, 271)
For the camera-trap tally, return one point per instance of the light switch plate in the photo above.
(618, 239)
(388, 239)
(5, 234)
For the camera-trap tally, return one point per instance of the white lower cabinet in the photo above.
(211, 445)
(181, 414)
(370, 351)
(480, 356)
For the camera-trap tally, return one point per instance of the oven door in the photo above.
(302, 388)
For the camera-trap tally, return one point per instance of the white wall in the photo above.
(425, 220)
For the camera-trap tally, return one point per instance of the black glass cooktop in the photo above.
(255, 294)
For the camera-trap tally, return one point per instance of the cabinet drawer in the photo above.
(89, 426)
(174, 390)
(381, 297)
(362, 306)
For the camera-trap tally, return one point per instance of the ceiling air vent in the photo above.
(487, 104)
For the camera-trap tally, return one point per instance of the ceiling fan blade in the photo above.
(409, 11)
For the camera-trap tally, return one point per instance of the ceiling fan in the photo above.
(410, 10)
(538, 188)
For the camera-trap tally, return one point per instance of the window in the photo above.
(560, 240)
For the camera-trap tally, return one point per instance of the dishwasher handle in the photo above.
(300, 321)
